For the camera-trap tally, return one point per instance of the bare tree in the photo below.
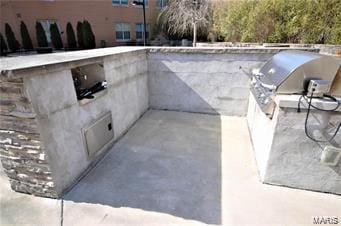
(181, 16)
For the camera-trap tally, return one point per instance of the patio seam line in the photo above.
(61, 211)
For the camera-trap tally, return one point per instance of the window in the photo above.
(46, 25)
(120, 2)
(161, 3)
(122, 32)
(139, 31)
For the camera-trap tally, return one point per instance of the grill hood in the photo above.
(289, 71)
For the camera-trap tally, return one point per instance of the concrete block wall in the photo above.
(202, 81)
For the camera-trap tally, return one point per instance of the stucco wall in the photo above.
(285, 155)
(336, 86)
(205, 82)
(126, 98)
(261, 131)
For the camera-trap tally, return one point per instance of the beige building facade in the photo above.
(115, 22)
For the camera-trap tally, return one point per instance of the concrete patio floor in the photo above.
(173, 168)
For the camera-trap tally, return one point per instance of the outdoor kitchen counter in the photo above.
(42, 123)
(284, 154)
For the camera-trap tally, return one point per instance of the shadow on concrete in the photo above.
(168, 162)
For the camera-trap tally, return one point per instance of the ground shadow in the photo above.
(168, 162)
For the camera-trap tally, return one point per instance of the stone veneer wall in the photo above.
(21, 150)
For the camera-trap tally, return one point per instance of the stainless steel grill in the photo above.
(289, 72)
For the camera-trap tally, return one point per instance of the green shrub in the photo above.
(55, 36)
(12, 42)
(71, 38)
(3, 46)
(80, 37)
(299, 21)
(88, 36)
(41, 36)
(25, 37)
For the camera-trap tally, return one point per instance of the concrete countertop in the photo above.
(16, 65)
(224, 50)
(291, 101)
(12, 65)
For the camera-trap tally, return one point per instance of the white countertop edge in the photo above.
(291, 101)
(40, 60)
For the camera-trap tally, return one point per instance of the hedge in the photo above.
(41, 36)
(3, 46)
(25, 37)
(56, 39)
(294, 21)
(71, 38)
(12, 42)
